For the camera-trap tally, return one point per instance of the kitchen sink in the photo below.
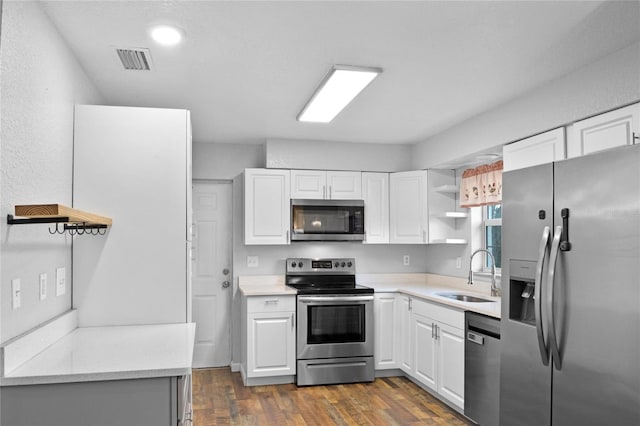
(464, 297)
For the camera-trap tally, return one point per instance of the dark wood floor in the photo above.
(219, 398)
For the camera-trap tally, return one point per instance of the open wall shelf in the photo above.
(75, 221)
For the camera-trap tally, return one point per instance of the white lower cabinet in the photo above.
(269, 337)
(386, 351)
(432, 347)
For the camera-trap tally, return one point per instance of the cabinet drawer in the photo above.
(451, 316)
(271, 303)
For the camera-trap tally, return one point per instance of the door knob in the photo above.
(225, 284)
(225, 271)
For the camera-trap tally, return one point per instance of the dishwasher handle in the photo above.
(475, 338)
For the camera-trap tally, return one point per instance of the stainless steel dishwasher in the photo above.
(482, 368)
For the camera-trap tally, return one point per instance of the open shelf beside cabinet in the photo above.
(453, 215)
(450, 189)
(75, 221)
(449, 241)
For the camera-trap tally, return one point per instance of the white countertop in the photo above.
(110, 353)
(425, 286)
(429, 292)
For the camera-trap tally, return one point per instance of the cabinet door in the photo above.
(375, 192)
(604, 131)
(424, 353)
(266, 206)
(451, 363)
(344, 185)
(271, 349)
(406, 337)
(309, 184)
(386, 331)
(540, 149)
(408, 207)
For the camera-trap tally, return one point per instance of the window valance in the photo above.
(482, 185)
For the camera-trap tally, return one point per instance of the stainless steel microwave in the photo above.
(327, 220)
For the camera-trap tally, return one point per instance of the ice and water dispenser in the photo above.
(521, 290)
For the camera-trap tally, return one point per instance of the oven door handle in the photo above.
(310, 299)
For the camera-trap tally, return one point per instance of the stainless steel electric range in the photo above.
(335, 322)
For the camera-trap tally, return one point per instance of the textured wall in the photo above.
(370, 157)
(40, 80)
(607, 84)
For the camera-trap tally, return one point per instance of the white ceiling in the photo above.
(246, 69)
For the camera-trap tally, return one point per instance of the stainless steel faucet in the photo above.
(495, 291)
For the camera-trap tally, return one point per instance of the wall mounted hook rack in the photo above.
(73, 221)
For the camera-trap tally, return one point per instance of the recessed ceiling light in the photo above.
(166, 35)
(337, 89)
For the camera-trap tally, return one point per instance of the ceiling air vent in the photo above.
(135, 58)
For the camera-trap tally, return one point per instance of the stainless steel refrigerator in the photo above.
(570, 329)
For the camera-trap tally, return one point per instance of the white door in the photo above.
(451, 363)
(211, 269)
(615, 128)
(375, 192)
(309, 184)
(424, 354)
(344, 185)
(540, 149)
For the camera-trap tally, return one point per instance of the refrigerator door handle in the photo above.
(543, 343)
(553, 258)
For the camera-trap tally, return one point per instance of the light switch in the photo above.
(43, 286)
(15, 293)
(252, 261)
(458, 262)
(61, 286)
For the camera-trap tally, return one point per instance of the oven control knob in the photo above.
(299, 264)
(349, 264)
(293, 264)
(337, 264)
(343, 264)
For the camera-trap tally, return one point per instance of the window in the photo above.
(492, 235)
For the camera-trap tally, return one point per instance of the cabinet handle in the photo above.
(288, 237)
(324, 192)
(437, 331)
(410, 307)
(433, 331)
(271, 302)
(292, 320)
(330, 192)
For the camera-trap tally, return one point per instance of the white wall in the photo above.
(224, 161)
(323, 155)
(40, 80)
(607, 84)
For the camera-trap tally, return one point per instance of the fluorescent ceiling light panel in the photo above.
(339, 87)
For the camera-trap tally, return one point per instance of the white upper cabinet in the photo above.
(375, 193)
(408, 214)
(344, 185)
(540, 149)
(309, 184)
(326, 185)
(266, 206)
(615, 128)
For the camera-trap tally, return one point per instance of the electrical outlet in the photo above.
(458, 262)
(252, 261)
(15, 293)
(61, 286)
(406, 260)
(43, 286)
